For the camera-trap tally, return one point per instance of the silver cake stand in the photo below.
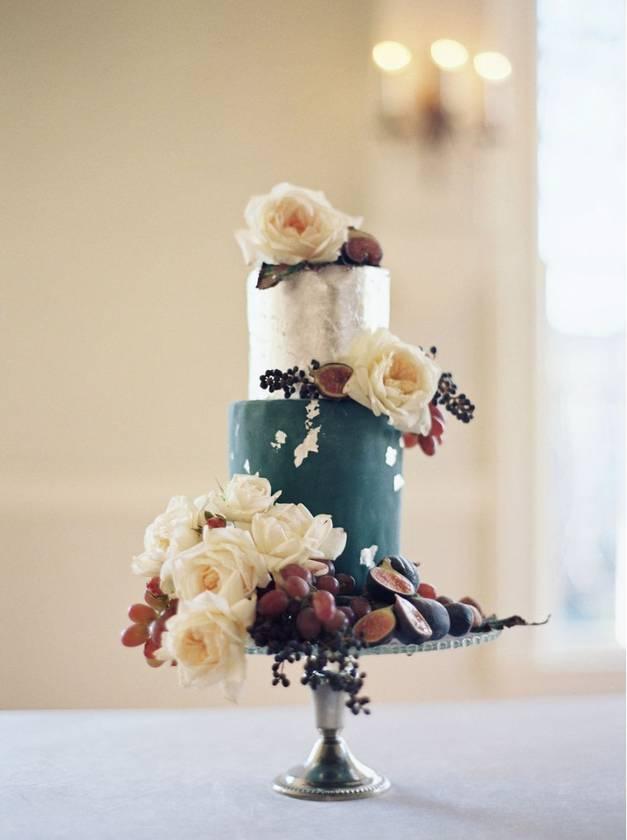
(331, 773)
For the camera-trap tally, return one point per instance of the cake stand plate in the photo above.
(331, 773)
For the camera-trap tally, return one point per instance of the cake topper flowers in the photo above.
(293, 228)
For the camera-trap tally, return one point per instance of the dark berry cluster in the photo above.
(291, 381)
(280, 637)
(348, 678)
(459, 405)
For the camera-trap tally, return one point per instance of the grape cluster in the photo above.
(299, 617)
(148, 622)
(459, 405)
(290, 381)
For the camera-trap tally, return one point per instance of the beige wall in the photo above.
(136, 132)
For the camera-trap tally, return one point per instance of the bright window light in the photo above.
(581, 229)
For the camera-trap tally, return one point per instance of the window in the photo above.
(581, 227)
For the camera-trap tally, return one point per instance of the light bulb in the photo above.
(391, 56)
(492, 66)
(449, 54)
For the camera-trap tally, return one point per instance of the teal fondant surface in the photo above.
(351, 477)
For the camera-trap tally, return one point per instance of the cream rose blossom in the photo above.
(242, 498)
(207, 638)
(291, 534)
(291, 225)
(226, 563)
(177, 529)
(392, 378)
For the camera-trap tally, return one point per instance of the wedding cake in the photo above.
(298, 554)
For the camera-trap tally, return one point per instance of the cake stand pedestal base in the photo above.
(331, 773)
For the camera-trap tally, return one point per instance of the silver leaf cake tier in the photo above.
(312, 314)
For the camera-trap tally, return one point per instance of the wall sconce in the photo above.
(437, 96)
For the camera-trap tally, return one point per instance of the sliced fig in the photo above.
(403, 566)
(376, 627)
(332, 378)
(383, 584)
(435, 614)
(412, 624)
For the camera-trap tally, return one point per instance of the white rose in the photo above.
(226, 563)
(207, 638)
(292, 225)
(290, 534)
(178, 528)
(392, 378)
(242, 498)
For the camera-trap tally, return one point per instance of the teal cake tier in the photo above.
(355, 476)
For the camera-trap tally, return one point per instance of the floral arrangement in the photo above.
(293, 228)
(236, 567)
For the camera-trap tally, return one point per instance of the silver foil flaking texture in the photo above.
(312, 314)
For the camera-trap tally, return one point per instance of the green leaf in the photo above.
(270, 275)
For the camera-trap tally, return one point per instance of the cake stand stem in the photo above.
(331, 773)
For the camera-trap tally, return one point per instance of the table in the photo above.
(528, 769)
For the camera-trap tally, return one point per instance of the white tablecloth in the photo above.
(528, 769)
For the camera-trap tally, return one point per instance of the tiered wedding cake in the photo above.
(300, 549)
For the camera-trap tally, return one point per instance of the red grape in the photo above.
(350, 615)
(294, 570)
(150, 648)
(328, 583)
(425, 590)
(296, 587)
(156, 629)
(437, 428)
(337, 622)
(323, 604)
(135, 635)
(141, 613)
(347, 584)
(330, 567)
(427, 444)
(360, 606)
(308, 625)
(273, 603)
